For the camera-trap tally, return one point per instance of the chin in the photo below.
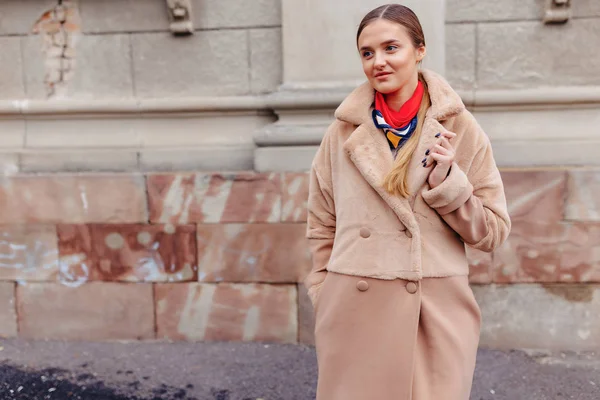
(385, 87)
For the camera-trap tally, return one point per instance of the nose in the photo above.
(379, 60)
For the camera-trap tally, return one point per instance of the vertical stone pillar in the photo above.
(321, 66)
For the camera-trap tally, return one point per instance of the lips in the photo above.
(382, 74)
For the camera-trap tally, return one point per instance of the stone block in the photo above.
(460, 55)
(18, 16)
(490, 10)
(215, 14)
(102, 16)
(550, 317)
(306, 318)
(294, 197)
(11, 68)
(8, 314)
(586, 8)
(94, 311)
(524, 54)
(284, 158)
(244, 197)
(78, 161)
(28, 253)
(252, 253)
(70, 198)
(9, 163)
(535, 195)
(480, 266)
(549, 252)
(207, 158)
(583, 199)
(78, 132)
(204, 64)
(133, 253)
(227, 312)
(266, 65)
(12, 133)
(102, 67)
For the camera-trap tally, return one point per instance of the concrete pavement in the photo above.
(233, 371)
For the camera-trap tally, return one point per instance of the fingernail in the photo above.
(424, 160)
(438, 135)
(427, 153)
(424, 165)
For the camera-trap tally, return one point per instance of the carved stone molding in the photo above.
(180, 15)
(557, 11)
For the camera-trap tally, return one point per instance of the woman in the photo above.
(403, 179)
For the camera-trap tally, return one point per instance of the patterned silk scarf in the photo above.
(399, 125)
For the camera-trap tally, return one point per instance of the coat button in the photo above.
(364, 232)
(411, 287)
(362, 285)
(408, 234)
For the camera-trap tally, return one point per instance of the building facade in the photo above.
(154, 157)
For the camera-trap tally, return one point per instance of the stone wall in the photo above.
(213, 256)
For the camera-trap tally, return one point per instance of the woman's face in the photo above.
(389, 58)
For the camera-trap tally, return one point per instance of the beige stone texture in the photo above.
(535, 196)
(586, 8)
(215, 14)
(28, 253)
(94, 311)
(18, 16)
(266, 68)
(206, 63)
(78, 160)
(492, 10)
(306, 318)
(284, 158)
(9, 163)
(294, 197)
(460, 55)
(583, 201)
(227, 312)
(102, 67)
(206, 129)
(11, 68)
(81, 132)
(206, 158)
(271, 253)
(102, 16)
(540, 316)
(12, 132)
(70, 198)
(531, 54)
(8, 314)
(244, 197)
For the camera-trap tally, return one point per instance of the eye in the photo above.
(391, 47)
(367, 54)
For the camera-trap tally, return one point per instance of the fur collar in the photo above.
(445, 102)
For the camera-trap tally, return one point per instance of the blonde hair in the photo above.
(396, 182)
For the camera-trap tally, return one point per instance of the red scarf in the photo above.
(401, 118)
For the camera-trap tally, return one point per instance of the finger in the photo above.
(446, 144)
(441, 150)
(442, 159)
(449, 135)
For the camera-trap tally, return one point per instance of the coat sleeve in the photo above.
(474, 203)
(321, 219)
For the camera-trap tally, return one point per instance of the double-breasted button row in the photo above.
(362, 285)
(365, 232)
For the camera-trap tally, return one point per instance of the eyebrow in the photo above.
(383, 43)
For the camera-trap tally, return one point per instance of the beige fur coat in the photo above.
(356, 227)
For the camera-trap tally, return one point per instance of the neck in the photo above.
(397, 99)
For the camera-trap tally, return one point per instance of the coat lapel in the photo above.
(368, 149)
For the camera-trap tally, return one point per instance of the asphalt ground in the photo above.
(235, 371)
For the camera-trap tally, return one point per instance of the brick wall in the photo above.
(212, 256)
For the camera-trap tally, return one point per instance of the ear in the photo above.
(421, 52)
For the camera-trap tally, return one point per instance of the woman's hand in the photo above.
(442, 156)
